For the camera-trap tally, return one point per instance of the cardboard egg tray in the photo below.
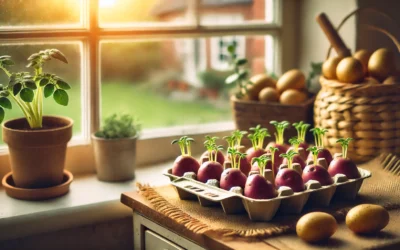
(287, 201)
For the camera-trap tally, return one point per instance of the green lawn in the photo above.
(153, 109)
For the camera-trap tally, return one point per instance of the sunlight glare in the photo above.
(106, 3)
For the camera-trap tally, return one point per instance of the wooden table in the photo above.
(156, 231)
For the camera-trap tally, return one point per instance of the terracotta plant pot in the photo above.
(37, 156)
(115, 158)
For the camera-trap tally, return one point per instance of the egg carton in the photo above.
(287, 201)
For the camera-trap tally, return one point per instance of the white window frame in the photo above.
(90, 33)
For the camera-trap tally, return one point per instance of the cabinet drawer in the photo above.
(154, 241)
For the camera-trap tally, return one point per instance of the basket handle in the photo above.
(333, 36)
(385, 15)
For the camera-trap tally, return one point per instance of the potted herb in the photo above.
(115, 148)
(37, 144)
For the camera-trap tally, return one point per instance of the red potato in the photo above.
(209, 170)
(184, 164)
(257, 187)
(252, 152)
(317, 173)
(296, 159)
(324, 153)
(232, 177)
(344, 166)
(290, 178)
(220, 156)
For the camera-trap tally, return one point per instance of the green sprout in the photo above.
(235, 156)
(280, 129)
(258, 136)
(295, 142)
(261, 162)
(301, 129)
(240, 75)
(238, 135)
(318, 136)
(123, 126)
(212, 148)
(273, 150)
(230, 140)
(315, 150)
(184, 145)
(345, 144)
(28, 90)
(289, 156)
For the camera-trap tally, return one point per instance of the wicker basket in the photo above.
(248, 114)
(368, 113)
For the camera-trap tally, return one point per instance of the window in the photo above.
(163, 60)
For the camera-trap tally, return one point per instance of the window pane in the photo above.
(70, 72)
(221, 12)
(40, 12)
(174, 82)
(139, 12)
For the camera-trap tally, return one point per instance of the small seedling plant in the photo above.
(258, 136)
(295, 142)
(184, 144)
(262, 163)
(236, 156)
(319, 136)
(123, 126)
(314, 150)
(212, 147)
(344, 142)
(235, 139)
(240, 75)
(301, 129)
(289, 156)
(27, 90)
(280, 130)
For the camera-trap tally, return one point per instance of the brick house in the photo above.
(197, 55)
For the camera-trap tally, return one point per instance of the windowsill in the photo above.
(89, 201)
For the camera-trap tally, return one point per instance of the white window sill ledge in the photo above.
(89, 201)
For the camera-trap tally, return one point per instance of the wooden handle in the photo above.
(332, 35)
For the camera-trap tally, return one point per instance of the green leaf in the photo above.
(1, 114)
(243, 74)
(48, 90)
(231, 48)
(26, 95)
(241, 61)
(5, 103)
(44, 82)
(61, 97)
(8, 62)
(31, 64)
(30, 84)
(58, 55)
(63, 85)
(17, 88)
(232, 78)
(4, 93)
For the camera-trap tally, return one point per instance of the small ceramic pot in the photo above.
(115, 158)
(37, 156)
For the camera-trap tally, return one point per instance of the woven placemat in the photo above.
(382, 188)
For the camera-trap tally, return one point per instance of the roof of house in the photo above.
(167, 6)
